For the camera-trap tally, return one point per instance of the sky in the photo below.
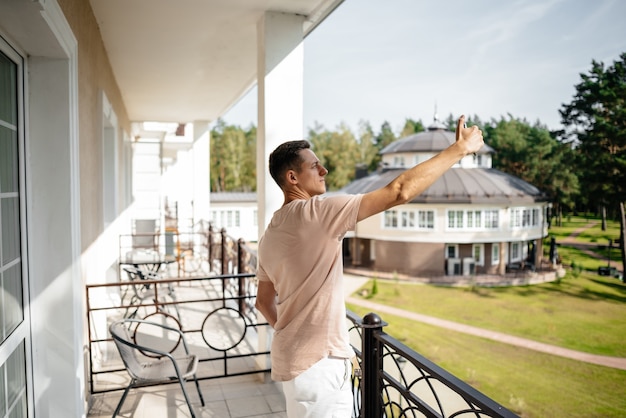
(389, 60)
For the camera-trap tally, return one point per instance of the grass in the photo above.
(590, 235)
(530, 384)
(594, 235)
(585, 313)
(582, 311)
(570, 254)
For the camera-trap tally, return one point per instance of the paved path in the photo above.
(571, 238)
(353, 283)
(589, 247)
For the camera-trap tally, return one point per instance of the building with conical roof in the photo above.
(472, 220)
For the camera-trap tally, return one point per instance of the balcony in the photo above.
(215, 310)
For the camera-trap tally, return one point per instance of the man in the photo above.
(300, 270)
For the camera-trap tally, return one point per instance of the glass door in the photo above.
(13, 315)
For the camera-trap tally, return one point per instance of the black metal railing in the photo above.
(217, 317)
(395, 381)
(207, 289)
(198, 252)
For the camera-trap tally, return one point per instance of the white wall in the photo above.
(56, 387)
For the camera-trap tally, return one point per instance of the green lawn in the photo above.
(587, 313)
(531, 384)
(582, 311)
(591, 235)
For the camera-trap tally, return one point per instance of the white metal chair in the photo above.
(153, 365)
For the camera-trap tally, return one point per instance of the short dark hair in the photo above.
(286, 157)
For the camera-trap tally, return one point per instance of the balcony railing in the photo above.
(217, 314)
(395, 381)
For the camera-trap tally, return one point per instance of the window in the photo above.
(491, 219)
(451, 251)
(409, 219)
(474, 219)
(13, 392)
(524, 218)
(426, 219)
(495, 253)
(398, 161)
(516, 251)
(391, 219)
(455, 219)
(13, 325)
(226, 218)
(477, 253)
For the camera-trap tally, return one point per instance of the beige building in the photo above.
(473, 220)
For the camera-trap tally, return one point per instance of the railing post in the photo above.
(224, 252)
(372, 366)
(241, 270)
(240, 256)
(211, 255)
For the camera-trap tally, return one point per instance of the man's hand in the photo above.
(470, 139)
(417, 179)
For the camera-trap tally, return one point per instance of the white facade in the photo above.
(237, 213)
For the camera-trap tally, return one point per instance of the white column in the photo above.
(280, 72)
(201, 170)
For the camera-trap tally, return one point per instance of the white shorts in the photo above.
(322, 391)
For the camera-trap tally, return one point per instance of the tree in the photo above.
(384, 138)
(233, 158)
(338, 152)
(368, 152)
(451, 121)
(533, 154)
(595, 125)
(411, 127)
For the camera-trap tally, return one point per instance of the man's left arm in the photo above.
(266, 301)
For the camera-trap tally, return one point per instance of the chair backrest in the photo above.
(126, 348)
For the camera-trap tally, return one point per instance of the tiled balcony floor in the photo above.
(230, 397)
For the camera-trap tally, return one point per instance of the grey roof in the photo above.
(461, 185)
(231, 197)
(435, 139)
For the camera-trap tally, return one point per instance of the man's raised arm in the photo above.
(414, 181)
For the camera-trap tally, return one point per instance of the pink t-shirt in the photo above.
(301, 254)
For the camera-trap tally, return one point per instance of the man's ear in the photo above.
(291, 177)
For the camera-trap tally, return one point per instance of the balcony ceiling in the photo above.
(180, 61)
